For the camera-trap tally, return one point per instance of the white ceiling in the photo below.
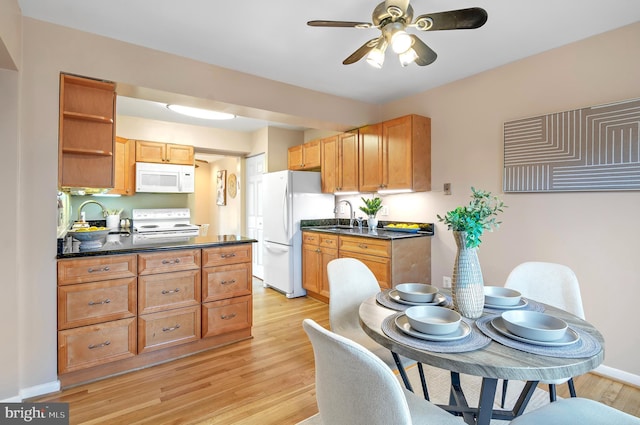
(270, 39)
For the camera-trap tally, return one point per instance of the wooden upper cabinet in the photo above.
(396, 154)
(340, 163)
(370, 157)
(304, 157)
(125, 167)
(164, 153)
(86, 133)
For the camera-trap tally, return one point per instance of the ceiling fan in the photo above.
(392, 18)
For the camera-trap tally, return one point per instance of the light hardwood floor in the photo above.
(266, 380)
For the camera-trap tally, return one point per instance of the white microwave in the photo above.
(164, 178)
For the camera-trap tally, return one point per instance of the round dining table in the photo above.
(492, 362)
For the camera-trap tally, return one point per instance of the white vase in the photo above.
(372, 223)
(467, 284)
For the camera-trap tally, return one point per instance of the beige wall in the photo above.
(467, 118)
(10, 35)
(226, 219)
(594, 233)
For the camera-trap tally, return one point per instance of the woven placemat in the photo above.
(586, 346)
(474, 341)
(385, 300)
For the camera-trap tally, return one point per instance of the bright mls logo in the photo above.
(34, 413)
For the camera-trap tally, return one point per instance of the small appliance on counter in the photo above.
(162, 224)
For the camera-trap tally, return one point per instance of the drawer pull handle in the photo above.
(228, 316)
(231, 255)
(318, 250)
(176, 261)
(105, 301)
(171, 329)
(104, 344)
(103, 269)
(363, 246)
(228, 282)
(170, 291)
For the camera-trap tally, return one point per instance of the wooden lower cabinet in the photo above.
(392, 261)
(95, 345)
(228, 315)
(317, 251)
(167, 328)
(123, 312)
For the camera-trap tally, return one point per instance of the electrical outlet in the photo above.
(384, 210)
(341, 209)
(446, 282)
(447, 188)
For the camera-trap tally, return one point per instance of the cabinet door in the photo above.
(348, 162)
(311, 265)
(179, 154)
(397, 155)
(294, 157)
(150, 151)
(86, 132)
(326, 255)
(311, 155)
(380, 266)
(329, 165)
(370, 156)
(226, 255)
(125, 167)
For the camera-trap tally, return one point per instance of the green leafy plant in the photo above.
(475, 218)
(372, 206)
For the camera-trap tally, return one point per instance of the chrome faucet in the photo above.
(104, 210)
(352, 215)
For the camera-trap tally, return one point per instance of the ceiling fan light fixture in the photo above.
(375, 58)
(398, 38)
(408, 57)
(206, 114)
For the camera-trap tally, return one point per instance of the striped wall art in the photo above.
(589, 149)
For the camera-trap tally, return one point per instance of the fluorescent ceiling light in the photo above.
(200, 113)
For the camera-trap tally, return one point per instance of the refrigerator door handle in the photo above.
(285, 216)
(274, 248)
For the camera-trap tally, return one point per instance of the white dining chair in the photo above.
(355, 387)
(350, 283)
(553, 284)
(576, 411)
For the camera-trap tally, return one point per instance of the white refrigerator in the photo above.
(289, 196)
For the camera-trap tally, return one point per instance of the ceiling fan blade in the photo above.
(339, 24)
(462, 19)
(426, 56)
(361, 52)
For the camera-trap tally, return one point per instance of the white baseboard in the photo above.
(618, 375)
(35, 391)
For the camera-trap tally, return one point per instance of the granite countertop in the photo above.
(341, 227)
(125, 243)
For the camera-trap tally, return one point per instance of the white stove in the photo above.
(163, 223)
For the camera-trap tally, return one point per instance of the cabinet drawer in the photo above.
(225, 282)
(329, 241)
(168, 328)
(165, 291)
(231, 254)
(368, 246)
(311, 238)
(169, 261)
(94, 345)
(90, 303)
(96, 269)
(224, 316)
(380, 266)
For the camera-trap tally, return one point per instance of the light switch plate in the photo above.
(384, 210)
(447, 188)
